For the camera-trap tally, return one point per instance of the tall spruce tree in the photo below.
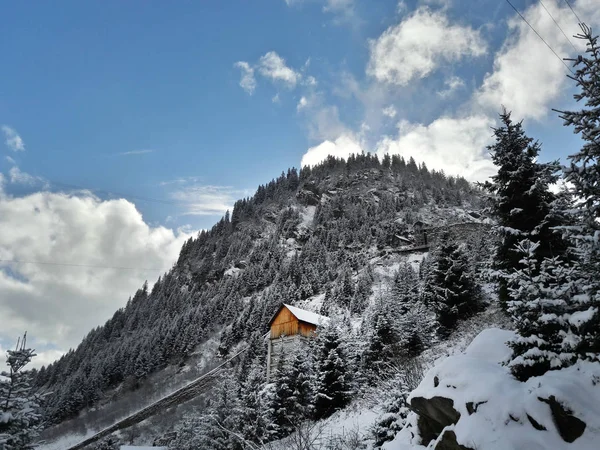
(332, 384)
(556, 304)
(543, 313)
(522, 202)
(19, 408)
(583, 172)
(450, 287)
(383, 344)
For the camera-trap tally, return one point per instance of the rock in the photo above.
(536, 424)
(306, 197)
(435, 414)
(472, 407)
(569, 427)
(449, 442)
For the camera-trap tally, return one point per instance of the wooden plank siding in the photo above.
(286, 324)
(307, 329)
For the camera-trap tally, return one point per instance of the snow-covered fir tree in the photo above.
(542, 312)
(583, 172)
(556, 301)
(218, 427)
(521, 199)
(450, 287)
(19, 407)
(395, 410)
(332, 375)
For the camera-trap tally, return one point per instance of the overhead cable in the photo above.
(538, 35)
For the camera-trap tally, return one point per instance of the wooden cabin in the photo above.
(290, 326)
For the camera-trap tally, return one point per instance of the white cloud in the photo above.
(247, 82)
(324, 122)
(206, 200)
(342, 10)
(303, 103)
(276, 98)
(136, 152)
(57, 304)
(273, 66)
(526, 76)
(342, 147)
(452, 84)
(19, 177)
(455, 145)
(10, 160)
(389, 111)
(12, 139)
(310, 81)
(418, 45)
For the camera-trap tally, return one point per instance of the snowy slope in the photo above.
(507, 411)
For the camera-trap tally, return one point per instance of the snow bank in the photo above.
(507, 411)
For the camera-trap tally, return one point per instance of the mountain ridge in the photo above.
(304, 234)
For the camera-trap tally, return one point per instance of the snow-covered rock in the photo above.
(474, 396)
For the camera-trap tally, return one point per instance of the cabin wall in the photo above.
(307, 329)
(285, 324)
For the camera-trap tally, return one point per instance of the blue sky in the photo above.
(196, 103)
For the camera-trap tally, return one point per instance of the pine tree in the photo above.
(383, 344)
(290, 400)
(19, 417)
(584, 174)
(413, 322)
(522, 202)
(332, 385)
(393, 418)
(543, 314)
(218, 428)
(281, 402)
(451, 288)
(252, 418)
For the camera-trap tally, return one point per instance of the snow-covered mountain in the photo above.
(331, 239)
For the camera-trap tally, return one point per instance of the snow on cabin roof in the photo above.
(302, 315)
(307, 316)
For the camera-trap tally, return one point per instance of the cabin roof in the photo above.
(302, 315)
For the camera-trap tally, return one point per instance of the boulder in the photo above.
(435, 414)
(569, 427)
(448, 442)
(307, 197)
(472, 407)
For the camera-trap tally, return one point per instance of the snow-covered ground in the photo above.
(509, 414)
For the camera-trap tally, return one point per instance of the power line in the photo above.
(538, 34)
(573, 11)
(564, 34)
(89, 266)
